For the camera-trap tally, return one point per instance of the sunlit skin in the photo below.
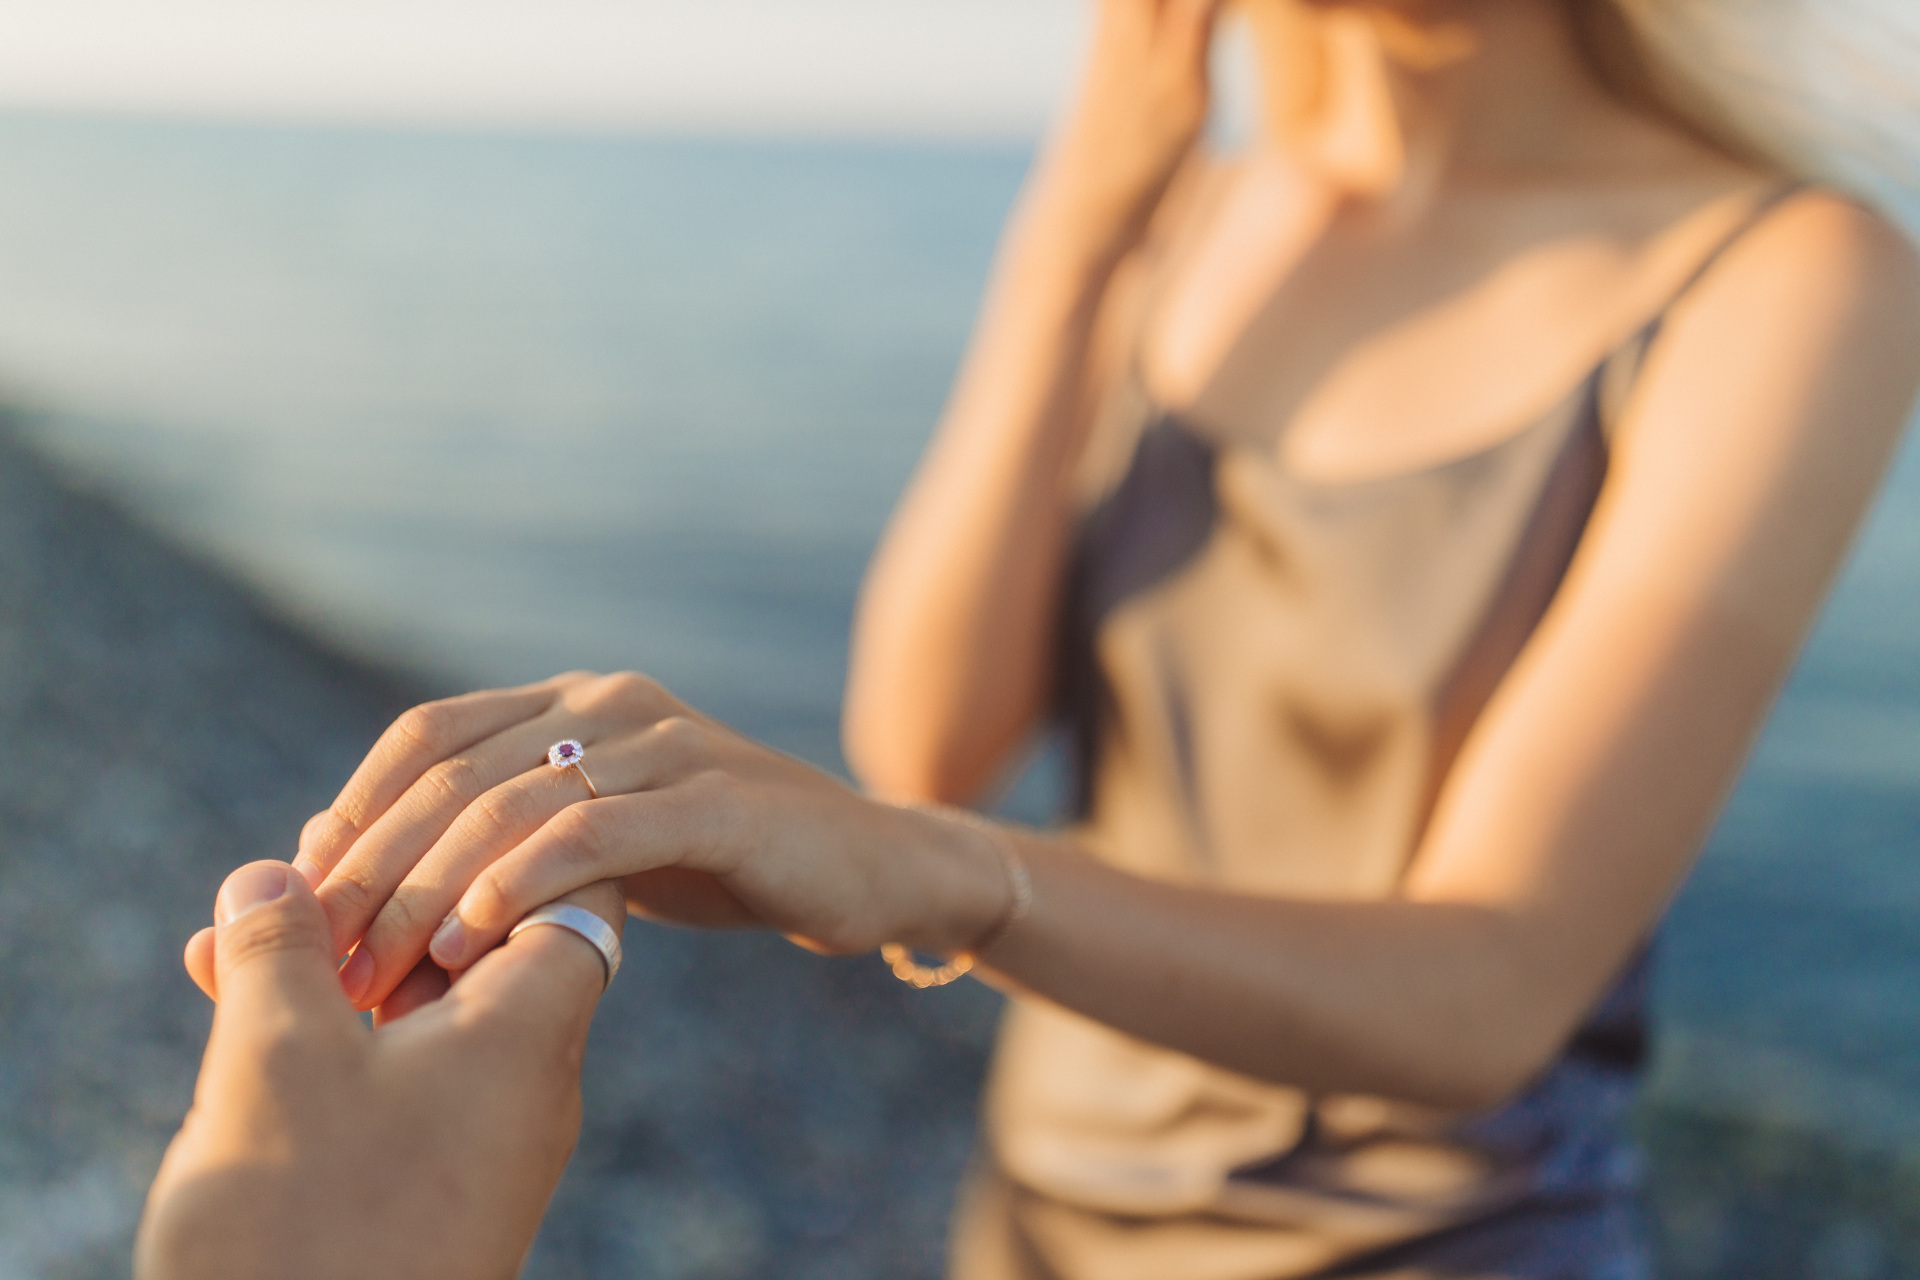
(1446, 222)
(316, 1148)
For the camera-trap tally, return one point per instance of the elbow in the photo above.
(903, 762)
(1487, 1079)
(1496, 1058)
(1504, 1020)
(1468, 1076)
(925, 742)
(1473, 1065)
(890, 737)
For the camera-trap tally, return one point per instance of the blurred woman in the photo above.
(1411, 517)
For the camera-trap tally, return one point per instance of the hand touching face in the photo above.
(317, 1148)
(1139, 109)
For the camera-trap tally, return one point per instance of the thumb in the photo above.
(272, 950)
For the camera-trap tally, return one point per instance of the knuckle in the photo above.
(488, 902)
(344, 817)
(592, 692)
(426, 729)
(629, 693)
(349, 889)
(579, 836)
(505, 810)
(630, 684)
(681, 736)
(455, 780)
(266, 931)
(401, 917)
(714, 787)
(313, 827)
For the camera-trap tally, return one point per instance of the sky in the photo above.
(965, 68)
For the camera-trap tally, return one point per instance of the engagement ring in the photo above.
(568, 754)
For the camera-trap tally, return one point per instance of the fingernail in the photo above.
(356, 975)
(249, 887)
(309, 870)
(448, 942)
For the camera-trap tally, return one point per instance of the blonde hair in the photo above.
(1825, 89)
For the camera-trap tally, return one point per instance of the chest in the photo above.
(1353, 348)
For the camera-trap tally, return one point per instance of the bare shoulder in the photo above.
(1830, 251)
(1808, 327)
(1774, 398)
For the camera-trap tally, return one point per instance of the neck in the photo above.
(1392, 100)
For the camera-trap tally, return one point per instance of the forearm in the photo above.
(952, 643)
(953, 635)
(1428, 1002)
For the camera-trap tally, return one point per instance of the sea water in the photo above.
(496, 406)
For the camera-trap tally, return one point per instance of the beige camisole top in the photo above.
(1265, 679)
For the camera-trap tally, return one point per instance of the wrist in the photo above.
(1069, 229)
(972, 886)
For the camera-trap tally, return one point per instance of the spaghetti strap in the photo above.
(1620, 370)
(1765, 205)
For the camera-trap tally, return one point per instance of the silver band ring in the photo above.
(583, 922)
(569, 754)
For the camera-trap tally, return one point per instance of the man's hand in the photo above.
(319, 1149)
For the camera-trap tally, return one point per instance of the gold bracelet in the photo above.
(1020, 901)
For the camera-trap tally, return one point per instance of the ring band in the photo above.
(581, 921)
(569, 754)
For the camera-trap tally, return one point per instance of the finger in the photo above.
(379, 861)
(315, 845)
(421, 738)
(200, 963)
(273, 957)
(423, 985)
(600, 840)
(398, 936)
(500, 820)
(544, 985)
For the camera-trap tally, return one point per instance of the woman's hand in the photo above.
(455, 826)
(1141, 106)
(316, 1148)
